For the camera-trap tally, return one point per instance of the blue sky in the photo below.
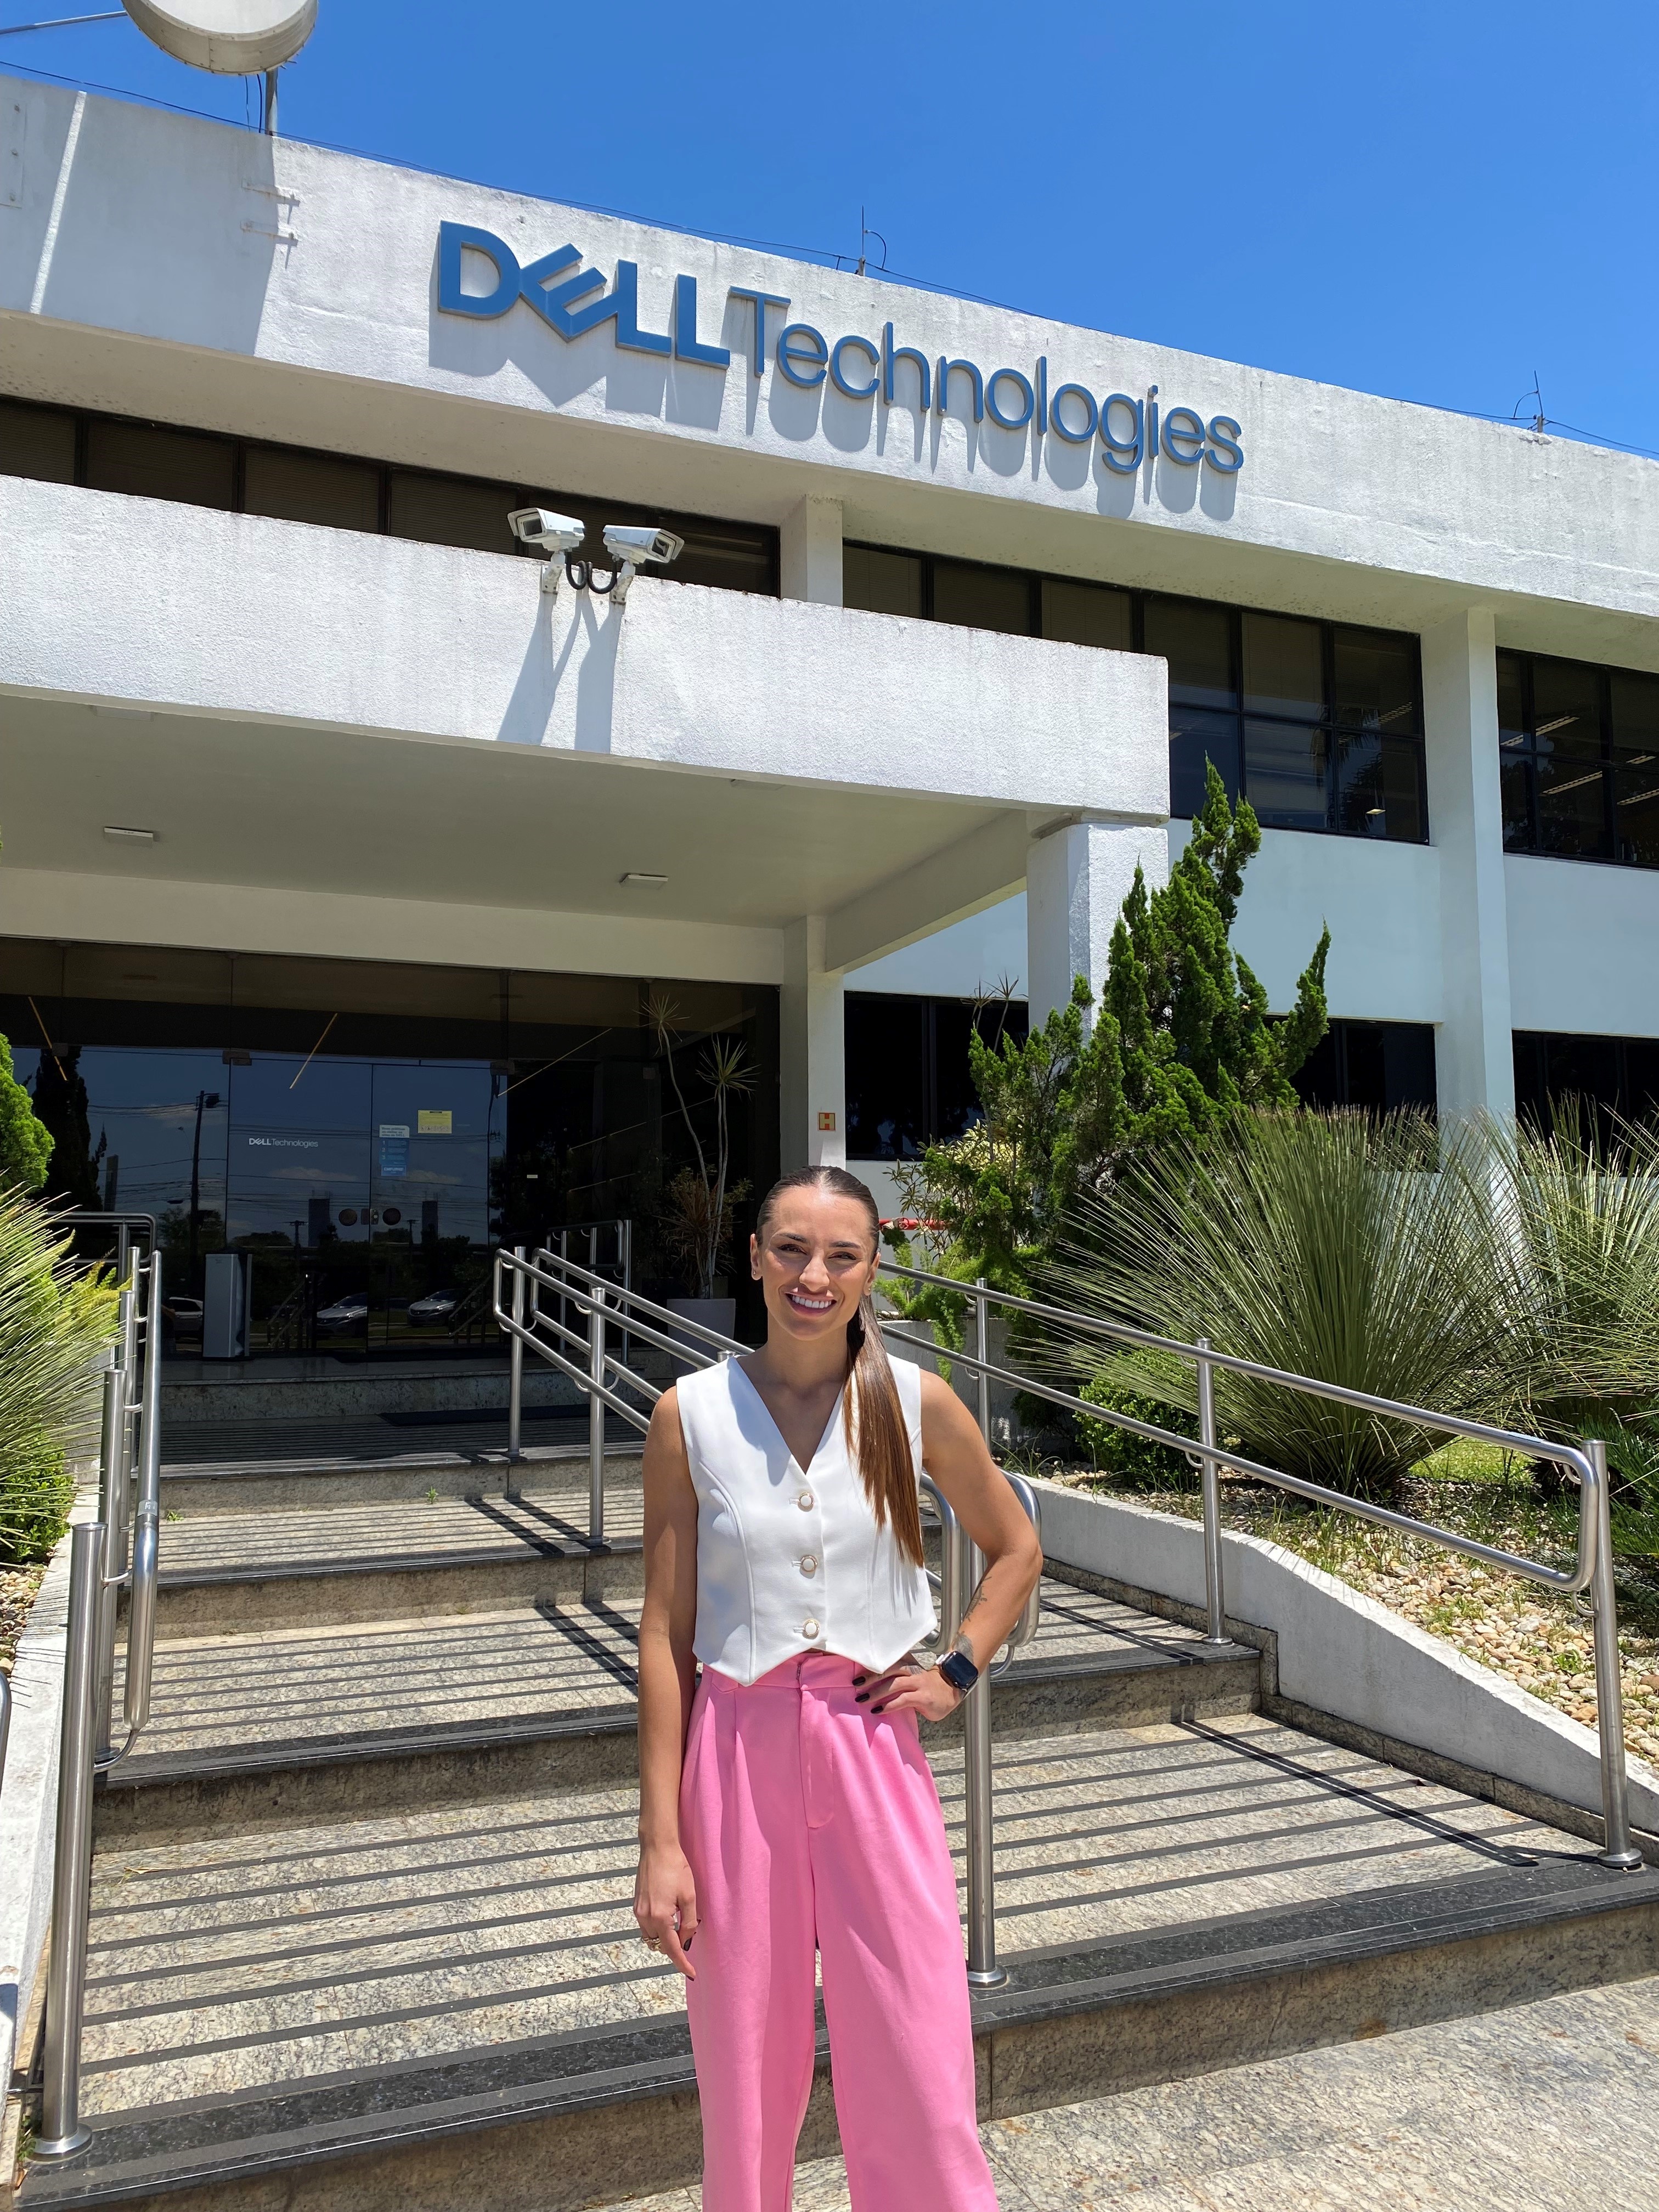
(1430, 201)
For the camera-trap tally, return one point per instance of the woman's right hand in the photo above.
(665, 1903)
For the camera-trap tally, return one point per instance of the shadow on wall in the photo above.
(573, 644)
(140, 245)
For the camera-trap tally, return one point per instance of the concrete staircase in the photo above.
(361, 1934)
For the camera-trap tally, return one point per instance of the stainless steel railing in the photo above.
(117, 1550)
(1592, 1569)
(604, 1374)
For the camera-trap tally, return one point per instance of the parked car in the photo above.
(351, 1312)
(436, 1307)
(184, 1315)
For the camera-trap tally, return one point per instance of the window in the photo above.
(1382, 1066)
(908, 1078)
(1318, 725)
(1579, 750)
(1608, 1075)
(156, 460)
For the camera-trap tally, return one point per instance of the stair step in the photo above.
(260, 1485)
(392, 1714)
(452, 2005)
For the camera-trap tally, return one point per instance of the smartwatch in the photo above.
(958, 1670)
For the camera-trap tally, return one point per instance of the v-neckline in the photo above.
(835, 1414)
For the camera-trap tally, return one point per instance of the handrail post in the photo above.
(982, 1353)
(1215, 1595)
(596, 1416)
(111, 1512)
(62, 2133)
(1617, 1848)
(515, 1363)
(983, 1971)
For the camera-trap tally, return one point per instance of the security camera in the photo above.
(631, 546)
(557, 534)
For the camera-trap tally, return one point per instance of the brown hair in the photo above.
(877, 1437)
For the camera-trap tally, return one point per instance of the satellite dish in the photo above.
(233, 38)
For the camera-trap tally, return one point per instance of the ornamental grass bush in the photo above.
(1324, 1244)
(55, 1319)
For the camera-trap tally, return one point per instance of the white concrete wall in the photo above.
(1344, 1654)
(979, 953)
(139, 600)
(1584, 946)
(210, 245)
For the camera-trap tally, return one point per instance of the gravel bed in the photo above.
(19, 1587)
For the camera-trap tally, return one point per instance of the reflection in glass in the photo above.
(1197, 738)
(1284, 666)
(879, 582)
(1374, 674)
(1571, 803)
(1636, 808)
(1285, 772)
(1196, 639)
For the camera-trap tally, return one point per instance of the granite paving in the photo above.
(390, 1531)
(373, 1439)
(320, 1686)
(1545, 2107)
(220, 1965)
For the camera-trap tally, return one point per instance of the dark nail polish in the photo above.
(858, 1681)
(862, 1698)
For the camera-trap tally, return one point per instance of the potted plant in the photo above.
(701, 1199)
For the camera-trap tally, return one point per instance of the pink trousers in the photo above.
(811, 1824)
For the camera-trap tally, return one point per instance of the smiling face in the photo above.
(815, 1261)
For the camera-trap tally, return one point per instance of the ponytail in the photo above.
(877, 1440)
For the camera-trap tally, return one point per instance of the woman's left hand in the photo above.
(909, 1689)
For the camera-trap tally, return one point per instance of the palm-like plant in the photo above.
(703, 1197)
(1315, 1243)
(1575, 1263)
(53, 1319)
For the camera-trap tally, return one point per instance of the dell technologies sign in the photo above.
(564, 295)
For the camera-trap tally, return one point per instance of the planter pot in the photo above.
(720, 1314)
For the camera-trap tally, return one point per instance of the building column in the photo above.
(812, 1086)
(1077, 878)
(1474, 1052)
(808, 552)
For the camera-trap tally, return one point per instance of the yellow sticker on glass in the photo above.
(434, 1121)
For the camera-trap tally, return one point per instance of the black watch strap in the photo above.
(959, 1671)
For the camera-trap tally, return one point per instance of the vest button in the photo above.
(809, 1566)
(805, 1501)
(809, 1628)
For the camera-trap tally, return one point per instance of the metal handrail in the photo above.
(961, 1564)
(1592, 1570)
(130, 1447)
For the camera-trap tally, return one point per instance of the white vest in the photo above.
(792, 1560)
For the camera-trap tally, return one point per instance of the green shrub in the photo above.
(1147, 1465)
(55, 1318)
(1314, 1243)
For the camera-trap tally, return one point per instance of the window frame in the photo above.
(1327, 723)
(520, 494)
(1607, 763)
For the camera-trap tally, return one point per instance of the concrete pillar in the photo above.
(808, 552)
(1474, 1061)
(1077, 878)
(813, 1076)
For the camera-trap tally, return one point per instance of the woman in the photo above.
(785, 1803)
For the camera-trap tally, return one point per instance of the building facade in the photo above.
(364, 902)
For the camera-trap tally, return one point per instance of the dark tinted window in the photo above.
(1088, 614)
(1607, 1076)
(36, 442)
(909, 1083)
(887, 1052)
(1374, 681)
(982, 599)
(1579, 750)
(318, 487)
(1284, 666)
(1379, 1066)
(880, 582)
(1196, 639)
(453, 511)
(155, 462)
